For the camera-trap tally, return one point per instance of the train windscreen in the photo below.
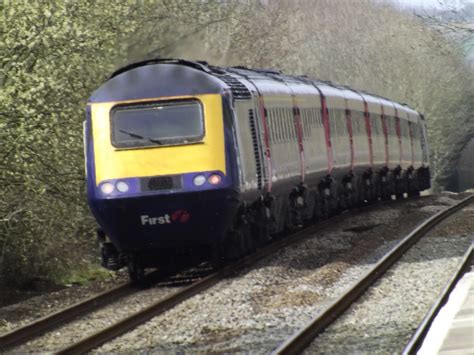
(157, 124)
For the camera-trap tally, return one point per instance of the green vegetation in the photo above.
(54, 54)
(83, 274)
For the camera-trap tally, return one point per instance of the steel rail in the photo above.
(54, 320)
(301, 339)
(417, 340)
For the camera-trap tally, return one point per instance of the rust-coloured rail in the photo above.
(300, 340)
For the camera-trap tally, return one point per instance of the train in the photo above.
(187, 160)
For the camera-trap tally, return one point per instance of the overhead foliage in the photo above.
(54, 54)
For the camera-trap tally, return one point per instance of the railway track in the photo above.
(301, 340)
(416, 341)
(48, 323)
(80, 309)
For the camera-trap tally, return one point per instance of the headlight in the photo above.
(199, 180)
(107, 188)
(214, 179)
(122, 186)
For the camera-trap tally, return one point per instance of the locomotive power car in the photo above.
(184, 158)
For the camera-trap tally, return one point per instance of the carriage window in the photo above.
(376, 125)
(332, 123)
(404, 128)
(307, 123)
(288, 122)
(291, 121)
(271, 126)
(281, 127)
(392, 132)
(157, 124)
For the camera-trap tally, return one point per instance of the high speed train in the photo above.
(184, 158)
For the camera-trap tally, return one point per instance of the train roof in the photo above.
(146, 80)
(133, 82)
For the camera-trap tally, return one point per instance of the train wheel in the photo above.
(136, 272)
(413, 186)
(261, 226)
(261, 234)
(399, 189)
(350, 200)
(217, 261)
(249, 241)
(373, 194)
(317, 208)
(244, 234)
(233, 246)
(414, 193)
(281, 221)
(362, 197)
(325, 208)
(361, 194)
(353, 197)
(385, 192)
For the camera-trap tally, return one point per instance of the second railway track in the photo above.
(306, 335)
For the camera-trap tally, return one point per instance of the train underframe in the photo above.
(254, 224)
(273, 215)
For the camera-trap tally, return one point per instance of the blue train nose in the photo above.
(167, 221)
